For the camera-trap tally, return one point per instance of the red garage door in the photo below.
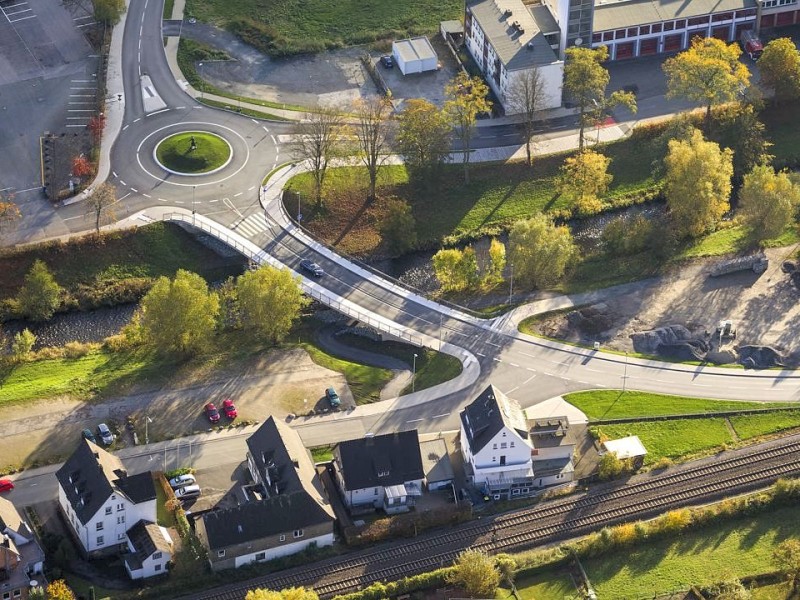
(649, 46)
(721, 33)
(768, 21)
(624, 50)
(785, 18)
(673, 43)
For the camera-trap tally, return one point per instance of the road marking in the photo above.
(122, 182)
(529, 369)
(76, 125)
(237, 195)
(512, 390)
(137, 120)
(251, 188)
(147, 195)
(440, 416)
(415, 420)
(214, 200)
(158, 112)
(514, 364)
(71, 218)
(549, 374)
(274, 141)
(134, 190)
(179, 202)
(81, 95)
(179, 107)
(601, 385)
(479, 354)
(77, 118)
(529, 379)
(254, 121)
(493, 344)
(264, 127)
(124, 128)
(114, 173)
(584, 382)
(161, 200)
(494, 358)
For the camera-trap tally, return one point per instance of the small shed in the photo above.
(630, 447)
(415, 55)
(453, 28)
(436, 464)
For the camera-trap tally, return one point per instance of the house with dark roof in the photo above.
(21, 557)
(150, 548)
(287, 509)
(508, 455)
(380, 472)
(100, 501)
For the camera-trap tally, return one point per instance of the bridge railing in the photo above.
(257, 255)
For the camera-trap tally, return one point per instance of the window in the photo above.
(99, 526)
(100, 540)
(113, 496)
(504, 434)
(120, 536)
(656, 28)
(6, 595)
(221, 553)
(298, 533)
(261, 556)
(282, 538)
(597, 37)
(669, 25)
(680, 23)
(750, 12)
(158, 568)
(503, 446)
(722, 17)
(512, 444)
(698, 21)
(17, 593)
(120, 519)
(644, 30)
(632, 32)
(108, 510)
(494, 446)
(608, 36)
(156, 555)
(121, 506)
(494, 459)
(619, 34)
(376, 491)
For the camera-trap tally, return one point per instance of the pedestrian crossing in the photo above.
(252, 225)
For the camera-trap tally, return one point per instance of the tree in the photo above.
(767, 201)
(22, 345)
(583, 179)
(108, 11)
(373, 131)
(709, 72)
(96, 126)
(527, 96)
(540, 251)
(610, 466)
(81, 166)
(398, 227)
(423, 136)
(319, 139)
(779, 66)
(585, 82)
(698, 184)
(497, 262)
(58, 590)
(270, 301)
(295, 593)
(736, 126)
(455, 269)
(476, 572)
(179, 315)
(99, 205)
(466, 99)
(9, 212)
(732, 589)
(507, 566)
(786, 558)
(40, 295)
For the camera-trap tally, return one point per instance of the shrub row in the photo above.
(392, 589)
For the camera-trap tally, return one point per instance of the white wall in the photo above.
(285, 550)
(149, 567)
(489, 455)
(563, 451)
(552, 79)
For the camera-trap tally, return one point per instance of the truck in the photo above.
(751, 44)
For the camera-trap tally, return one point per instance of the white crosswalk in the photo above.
(251, 226)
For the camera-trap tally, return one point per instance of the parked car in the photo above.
(6, 485)
(333, 397)
(212, 413)
(387, 61)
(187, 492)
(182, 481)
(105, 434)
(88, 435)
(229, 408)
(311, 267)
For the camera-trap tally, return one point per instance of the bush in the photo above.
(626, 235)
(78, 349)
(22, 345)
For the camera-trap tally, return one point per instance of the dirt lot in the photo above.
(764, 307)
(277, 383)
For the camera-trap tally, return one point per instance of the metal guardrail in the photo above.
(312, 291)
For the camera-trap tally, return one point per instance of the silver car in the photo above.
(182, 480)
(105, 434)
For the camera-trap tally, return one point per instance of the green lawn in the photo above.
(177, 153)
(542, 586)
(614, 404)
(750, 426)
(281, 27)
(322, 454)
(364, 382)
(701, 557)
(164, 517)
(674, 439)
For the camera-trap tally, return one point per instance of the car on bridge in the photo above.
(311, 267)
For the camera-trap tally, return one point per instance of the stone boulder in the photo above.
(648, 342)
(760, 357)
(690, 350)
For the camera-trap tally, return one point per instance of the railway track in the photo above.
(644, 496)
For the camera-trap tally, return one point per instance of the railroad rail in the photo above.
(641, 497)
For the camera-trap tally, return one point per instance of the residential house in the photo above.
(150, 548)
(507, 455)
(287, 509)
(21, 557)
(100, 501)
(379, 472)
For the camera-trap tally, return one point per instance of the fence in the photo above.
(380, 82)
(708, 415)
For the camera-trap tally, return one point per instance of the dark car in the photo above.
(229, 408)
(387, 61)
(212, 413)
(88, 435)
(311, 267)
(333, 397)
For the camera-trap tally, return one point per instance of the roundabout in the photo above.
(193, 153)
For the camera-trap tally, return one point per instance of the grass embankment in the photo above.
(545, 586)
(178, 152)
(280, 28)
(680, 438)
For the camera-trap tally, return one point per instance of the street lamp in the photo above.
(511, 284)
(146, 435)
(202, 83)
(194, 187)
(299, 214)
(625, 372)
(414, 375)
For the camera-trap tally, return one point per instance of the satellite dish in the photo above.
(578, 41)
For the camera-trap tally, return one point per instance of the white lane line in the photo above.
(22, 19)
(264, 127)
(529, 379)
(76, 125)
(601, 385)
(237, 195)
(415, 420)
(137, 120)
(72, 218)
(251, 188)
(147, 195)
(179, 107)
(479, 354)
(83, 88)
(493, 344)
(549, 374)
(81, 95)
(114, 173)
(440, 416)
(531, 370)
(254, 121)
(124, 128)
(77, 118)
(274, 141)
(85, 25)
(82, 81)
(212, 201)
(584, 382)
(494, 358)
(512, 390)
(134, 190)
(514, 364)
(161, 200)
(158, 112)
(122, 182)
(179, 202)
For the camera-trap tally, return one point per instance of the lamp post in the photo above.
(193, 210)
(299, 214)
(511, 284)
(625, 372)
(414, 375)
(146, 436)
(202, 83)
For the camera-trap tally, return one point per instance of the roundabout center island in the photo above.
(193, 153)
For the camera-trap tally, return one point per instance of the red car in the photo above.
(212, 413)
(6, 485)
(229, 408)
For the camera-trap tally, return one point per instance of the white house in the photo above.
(380, 472)
(507, 455)
(100, 501)
(415, 55)
(287, 511)
(507, 39)
(150, 548)
(21, 557)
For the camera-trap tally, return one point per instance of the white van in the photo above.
(187, 492)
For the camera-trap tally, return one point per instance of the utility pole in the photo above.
(202, 83)
(511, 284)
(146, 436)
(193, 210)
(414, 375)
(625, 372)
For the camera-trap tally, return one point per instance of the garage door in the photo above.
(673, 43)
(768, 21)
(722, 33)
(648, 46)
(624, 50)
(785, 18)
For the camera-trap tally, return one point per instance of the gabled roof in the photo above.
(252, 521)
(146, 538)
(488, 414)
(380, 461)
(90, 475)
(11, 519)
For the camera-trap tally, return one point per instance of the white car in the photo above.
(187, 492)
(105, 434)
(182, 480)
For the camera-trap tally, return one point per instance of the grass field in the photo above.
(286, 27)
(614, 404)
(750, 426)
(544, 586)
(704, 556)
(177, 153)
